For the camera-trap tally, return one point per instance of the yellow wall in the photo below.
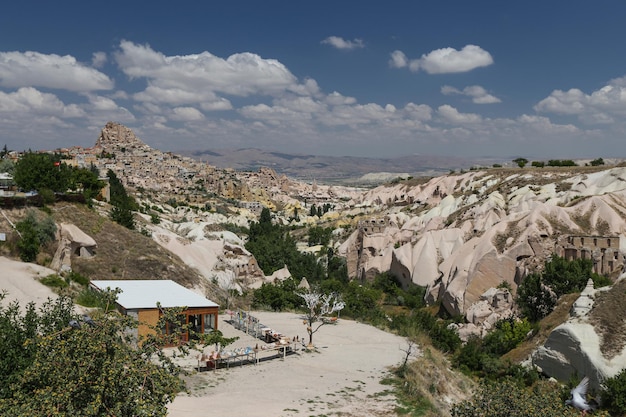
(147, 319)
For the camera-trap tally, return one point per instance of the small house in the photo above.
(139, 298)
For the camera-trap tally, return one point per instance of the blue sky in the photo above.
(364, 78)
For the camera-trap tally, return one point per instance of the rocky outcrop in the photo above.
(72, 242)
(475, 231)
(574, 347)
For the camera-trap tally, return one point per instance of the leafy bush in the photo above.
(506, 397)
(49, 368)
(34, 232)
(538, 293)
(614, 394)
(278, 297)
(506, 335)
(89, 297)
(443, 337)
(54, 281)
(77, 278)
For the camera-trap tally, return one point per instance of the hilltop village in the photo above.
(169, 176)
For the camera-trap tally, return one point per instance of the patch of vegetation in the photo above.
(54, 281)
(583, 220)
(609, 319)
(538, 293)
(35, 231)
(499, 240)
(614, 395)
(507, 397)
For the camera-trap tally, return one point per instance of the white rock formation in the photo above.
(574, 347)
(72, 241)
(473, 231)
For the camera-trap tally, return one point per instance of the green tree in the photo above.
(123, 204)
(506, 335)
(538, 293)
(319, 235)
(597, 162)
(34, 233)
(4, 152)
(52, 368)
(274, 247)
(6, 165)
(521, 162)
(538, 164)
(86, 182)
(535, 299)
(41, 171)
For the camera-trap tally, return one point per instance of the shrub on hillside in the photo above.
(614, 394)
(538, 293)
(506, 397)
(35, 232)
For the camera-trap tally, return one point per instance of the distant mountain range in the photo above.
(334, 168)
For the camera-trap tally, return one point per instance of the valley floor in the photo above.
(341, 377)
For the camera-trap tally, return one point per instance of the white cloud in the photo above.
(33, 69)
(102, 103)
(446, 60)
(398, 59)
(420, 112)
(216, 105)
(301, 104)
(242, 74)
(341, 43)
(358, 114)
(30, 101)
(98, 59)
(336, 99)
(452, 115)
(273, 114)
(478, 94)
(187, 114)
(543, 124)
(563, 102)
(600, 107)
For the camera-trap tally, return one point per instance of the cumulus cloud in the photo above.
(421, 112)
(187, 114)
(273, 114)
(445, 60)
(98, 59)
(477, 93)
(544, 124)
(242, 74)
(398, 59)
(34, 69)
(336, 99)
(30, 101)
(600, 107)
(452, 115)
(341, 43)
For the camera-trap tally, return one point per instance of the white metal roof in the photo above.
(138, 294)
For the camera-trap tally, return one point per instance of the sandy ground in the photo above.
(19, 281)
(340, 377)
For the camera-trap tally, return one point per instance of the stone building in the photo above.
(603, 251)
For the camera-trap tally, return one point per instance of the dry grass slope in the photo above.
(609, 319)
(122, 253)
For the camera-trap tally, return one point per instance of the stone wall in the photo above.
(603, 251)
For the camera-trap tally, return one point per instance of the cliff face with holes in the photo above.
(460, 235)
